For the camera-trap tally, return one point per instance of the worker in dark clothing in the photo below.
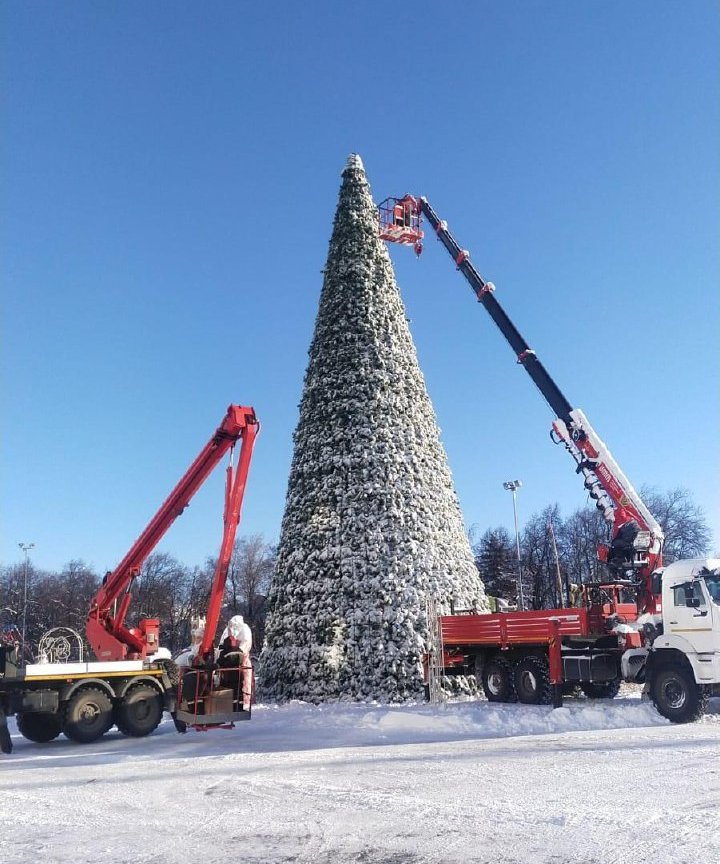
(622, 547)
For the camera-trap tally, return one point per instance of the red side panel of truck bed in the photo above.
(511, 628)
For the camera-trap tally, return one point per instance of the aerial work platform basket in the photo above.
(215, 697)
(400, 222)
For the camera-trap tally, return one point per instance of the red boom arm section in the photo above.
(105, 628)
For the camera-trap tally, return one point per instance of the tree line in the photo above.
(557, 552)
(554, 552)
(166, 589)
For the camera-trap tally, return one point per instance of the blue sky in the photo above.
(170, 176)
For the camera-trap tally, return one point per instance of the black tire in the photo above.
(87, 716)
(676, 695)
(497, 680)
(38, 727)
(140, 711)
(532, 681)
(600, 689)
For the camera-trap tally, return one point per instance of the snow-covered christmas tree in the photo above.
(372, 528)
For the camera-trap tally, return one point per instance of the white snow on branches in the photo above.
(372, 527)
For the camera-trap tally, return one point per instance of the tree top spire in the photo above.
(354, 161)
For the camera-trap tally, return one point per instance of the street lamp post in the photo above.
(26, 547)
(513, 486)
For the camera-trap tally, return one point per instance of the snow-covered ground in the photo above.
(462, 782)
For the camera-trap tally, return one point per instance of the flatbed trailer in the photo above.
(533, 656)
(84, 700)
(530, 656)
(508, 628)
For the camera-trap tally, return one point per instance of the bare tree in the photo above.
(162, 592)
(686, 533)
(166, 589)
(11, 593)
(248, 580)
(251, 568)
(538, 559)
(686, 530)
(53, 599)
(63, 599)
(579, 537)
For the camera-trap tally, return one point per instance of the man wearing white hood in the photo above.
(235, 645)
(186, 657)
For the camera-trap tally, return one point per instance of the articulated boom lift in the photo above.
(128, 685)
(637, 537)
(107, 634)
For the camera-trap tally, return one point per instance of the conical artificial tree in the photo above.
(372, 528)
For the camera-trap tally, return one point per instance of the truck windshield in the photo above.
(712, 580)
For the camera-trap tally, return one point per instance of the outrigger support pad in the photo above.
(180, 726)
(5, 739)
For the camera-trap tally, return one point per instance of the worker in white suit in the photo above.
(235, 646)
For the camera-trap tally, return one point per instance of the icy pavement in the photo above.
(606, 783)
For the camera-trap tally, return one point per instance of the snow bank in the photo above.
(300, 726)
(371, 724)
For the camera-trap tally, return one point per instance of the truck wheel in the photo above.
(497, 680)
(600, 690)
(532, 681)
(676, 695)
(38, 727)
(87, 716)
(140, 711)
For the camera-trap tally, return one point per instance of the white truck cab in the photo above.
(684, 662)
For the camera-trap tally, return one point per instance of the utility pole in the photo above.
(26, 547)
(513, 486)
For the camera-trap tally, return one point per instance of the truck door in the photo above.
(691, 616)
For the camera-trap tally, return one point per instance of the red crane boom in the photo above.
(637, 537)
(109, 637)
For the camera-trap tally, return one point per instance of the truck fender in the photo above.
(705, 667)
(67, 692)
(672, 651)
(673, 642)
(140, 679)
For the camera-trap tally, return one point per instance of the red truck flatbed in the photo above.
(512, 628)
